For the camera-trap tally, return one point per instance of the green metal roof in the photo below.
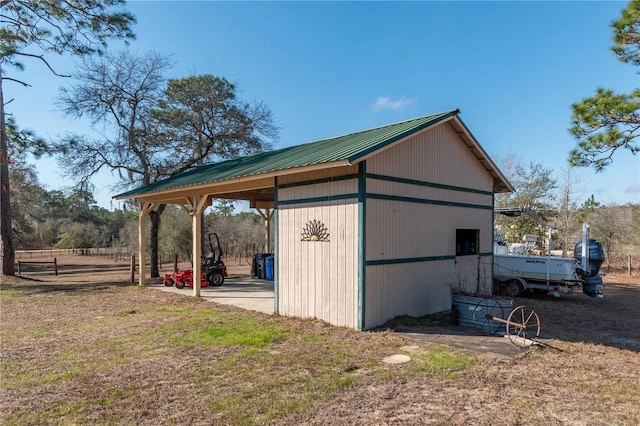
(351, 148)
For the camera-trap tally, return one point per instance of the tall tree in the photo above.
(565, 221)
(117, 93)
(34, 29)
(152, 133)
(533, 188)
(203, 120)
(609, 121)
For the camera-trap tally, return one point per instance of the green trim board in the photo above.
(408, 260)
(416, 259)
(362, 242)
(275, 247)
(427, 201)
(318, 199)
(427, 184)
(319, 181)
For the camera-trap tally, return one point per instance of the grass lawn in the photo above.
(106, 353)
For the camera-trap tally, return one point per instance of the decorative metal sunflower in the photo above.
(315, 231)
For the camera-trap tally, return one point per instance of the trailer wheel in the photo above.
(217, 280)
(514, 288)
(180, 284)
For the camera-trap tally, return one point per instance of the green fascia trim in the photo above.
(409, 260)
(319, 181)
(275, 247)
(427, 201)
(427, 184)
(434, 119)
(318, 199)
(362, 242)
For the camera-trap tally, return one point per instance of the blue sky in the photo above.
(331, 68)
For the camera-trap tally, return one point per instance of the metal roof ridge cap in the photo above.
(442, 113)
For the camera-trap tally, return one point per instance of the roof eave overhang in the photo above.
(179, 194)
(500, 182)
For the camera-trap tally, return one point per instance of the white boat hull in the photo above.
(535, 268)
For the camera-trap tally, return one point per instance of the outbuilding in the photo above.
(367, 226)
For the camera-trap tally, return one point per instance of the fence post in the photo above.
(55, 265)
(175, 264)
(133, 268)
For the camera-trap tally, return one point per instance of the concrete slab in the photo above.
(442, 331)
(247, 293)
(495, 345)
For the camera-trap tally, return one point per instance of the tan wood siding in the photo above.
(335, 172)
(435, 155)
(411, 227)
(413, 289)
(399, 230)
(326, 189)
(319, 279)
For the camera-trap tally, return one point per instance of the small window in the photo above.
(467, 241)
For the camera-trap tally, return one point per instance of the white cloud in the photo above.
(632, 189)
(385, 102)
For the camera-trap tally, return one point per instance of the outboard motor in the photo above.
(591, 257)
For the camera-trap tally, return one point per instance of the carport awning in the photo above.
(253, 177)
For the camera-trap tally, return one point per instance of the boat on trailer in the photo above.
(516, 272)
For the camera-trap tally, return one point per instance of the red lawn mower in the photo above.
(212, 273)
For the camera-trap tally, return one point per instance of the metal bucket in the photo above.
(464, 308)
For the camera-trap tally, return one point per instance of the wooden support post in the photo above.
(55, 265)
(196, 207)
(175, 264)
(145, 208)
(133, 269)
(197, 252)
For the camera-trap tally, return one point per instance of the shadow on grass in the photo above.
(612, 321)
(33, 286)
(72, 269)
(578, 318)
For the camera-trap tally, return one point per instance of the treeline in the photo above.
(559, 204)
(46, 219)
(43, 219)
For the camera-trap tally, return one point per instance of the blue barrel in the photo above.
(268, 266)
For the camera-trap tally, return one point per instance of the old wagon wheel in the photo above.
(485, 313)
(523, 326)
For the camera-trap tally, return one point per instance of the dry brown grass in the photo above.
(87, 348)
